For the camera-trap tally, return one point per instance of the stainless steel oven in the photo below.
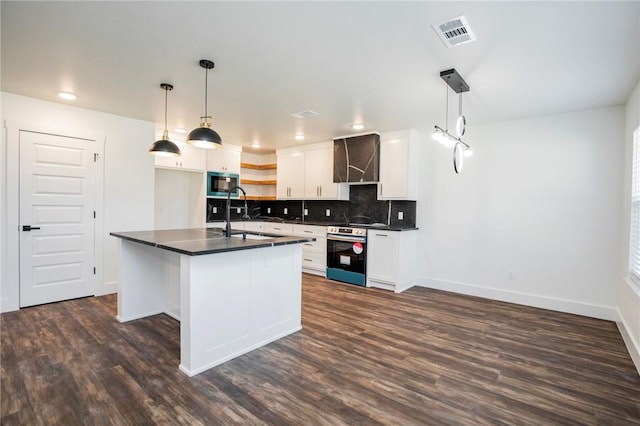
(347, 254)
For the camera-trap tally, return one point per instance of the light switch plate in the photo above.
(306, 212)
(215, 210)
(268, 210)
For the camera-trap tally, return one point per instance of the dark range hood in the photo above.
(356, 159)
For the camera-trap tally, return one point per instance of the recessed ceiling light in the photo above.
(67, 95)
(255, 144)
(357, 126)
(299, 137)
(181, 130)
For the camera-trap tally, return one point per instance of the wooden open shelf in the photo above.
(257, 182)
(271, 166)
(261, 197)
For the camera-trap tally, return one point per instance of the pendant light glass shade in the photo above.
(204, 136)
(164, 147)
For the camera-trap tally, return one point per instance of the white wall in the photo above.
(128, 175)
(628, 294)
(179, 199)
(540, 202)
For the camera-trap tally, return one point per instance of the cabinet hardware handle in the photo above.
(320, 190)
(308, 260)
(382, 235)
(29, 227)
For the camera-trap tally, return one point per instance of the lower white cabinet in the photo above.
(314, 254)
(391, 259)
(278, 228)
(254, 226)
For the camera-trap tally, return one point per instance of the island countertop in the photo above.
(200, 241)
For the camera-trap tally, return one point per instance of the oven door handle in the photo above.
(347, 239)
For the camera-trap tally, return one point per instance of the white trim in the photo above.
(544, 302)
(107, 288)
(10, 301)
(632, 346)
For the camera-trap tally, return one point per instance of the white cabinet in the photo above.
(318, 174)
(314, 253)
(191, 159)
(278, 228)
(399, 165)
(306, 172)
(391, 259)
(254, 226)
(225, 159)
(290, 176)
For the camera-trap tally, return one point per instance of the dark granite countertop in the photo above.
(320, 223)
(200, 241)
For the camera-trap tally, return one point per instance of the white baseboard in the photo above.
(560, 305)
(107, 288)
(632, 346)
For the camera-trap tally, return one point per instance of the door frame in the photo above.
(10, 294)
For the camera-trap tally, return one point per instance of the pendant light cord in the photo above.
(166, 94)
(206, 81)
(446, 114)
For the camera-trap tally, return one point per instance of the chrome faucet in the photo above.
(245, 216)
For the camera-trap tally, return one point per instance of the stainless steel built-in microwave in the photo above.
(219, 183)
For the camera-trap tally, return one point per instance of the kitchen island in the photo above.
(231, 295)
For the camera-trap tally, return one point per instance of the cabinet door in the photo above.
(290, 176)
(318, 176)
(398, 166)
(190, 159)
(223, 160)
(382, 256)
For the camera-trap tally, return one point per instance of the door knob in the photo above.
(29, 227)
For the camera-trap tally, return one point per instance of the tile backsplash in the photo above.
(362, 207)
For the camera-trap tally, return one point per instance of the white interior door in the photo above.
(57, 186)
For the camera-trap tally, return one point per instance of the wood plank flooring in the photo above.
(364, 356)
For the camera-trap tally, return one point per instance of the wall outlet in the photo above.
(286, 210)
(239, 210)
(306, 212)
(215, 210)
(400, 215)
(268, 210)
(327, 212)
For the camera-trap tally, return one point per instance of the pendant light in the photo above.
(204, 136)
(164, 147)
(460, 148)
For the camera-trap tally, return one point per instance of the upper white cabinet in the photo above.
(290, 175)
(225, 159)
(399, 165)
(191, 159)
(318, 174)
(306, 172)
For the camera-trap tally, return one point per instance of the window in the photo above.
(634, 232)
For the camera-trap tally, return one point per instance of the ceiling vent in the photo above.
(454, 31)
(304, 114)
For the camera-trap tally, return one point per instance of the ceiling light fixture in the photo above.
(181, 130)
(204, 136)
(460, 148)
(164, 147)
(299, 137)
(67, 95)
(357, 126)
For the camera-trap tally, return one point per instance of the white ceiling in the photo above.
(375, 62)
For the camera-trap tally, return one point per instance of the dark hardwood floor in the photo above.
(364, 356)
